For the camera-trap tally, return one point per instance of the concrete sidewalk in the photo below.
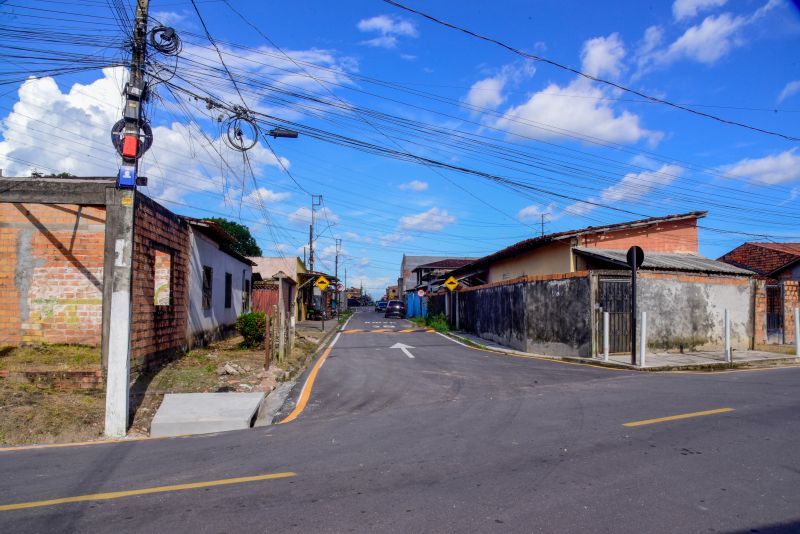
(657, 361)
(313, 329)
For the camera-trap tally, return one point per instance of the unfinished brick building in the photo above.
(56, 259)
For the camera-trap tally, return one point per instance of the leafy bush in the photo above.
(252, 327)
(438, 322)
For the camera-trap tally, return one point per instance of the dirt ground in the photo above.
(33, 414)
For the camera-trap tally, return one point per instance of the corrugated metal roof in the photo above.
(661, 261)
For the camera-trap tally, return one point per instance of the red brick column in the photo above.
(760, 314)
(790, 302)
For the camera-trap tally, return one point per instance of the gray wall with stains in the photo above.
(550, 317)
(688, 312)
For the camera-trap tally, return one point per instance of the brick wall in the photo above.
(670, 236)
(158, 332)
(760, 313)
(791, 300)
(51, 273)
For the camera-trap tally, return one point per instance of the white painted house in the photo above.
(219, 283)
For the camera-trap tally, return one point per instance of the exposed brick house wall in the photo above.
(158, 332)
(51, 273)
(670, 236)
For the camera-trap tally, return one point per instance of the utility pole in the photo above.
(120, 226)
(543, 215)
(336, 275)
(316, 200)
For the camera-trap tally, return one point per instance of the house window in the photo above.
(208, 275)
(162, 279)
(228, 290)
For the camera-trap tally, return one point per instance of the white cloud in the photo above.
(303, 216)
(773, 169)
(384, 41)
(281, 247)
(706, 42)
(686, 9)
(603, 56)
(433, 220)
(791, 88)
(395, 237)
(266, 196)
(74, 125)
(631, 188)
(577, 108)
(534, 212)
(488, 92)
(389, 27)
(414, 185)
(363, 262)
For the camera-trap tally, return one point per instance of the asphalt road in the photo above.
(451, 440)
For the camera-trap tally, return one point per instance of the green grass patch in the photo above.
(62, 357)
(345, 315)
(438, 322)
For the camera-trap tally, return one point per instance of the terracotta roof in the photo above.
(530, 244)
(763, 258)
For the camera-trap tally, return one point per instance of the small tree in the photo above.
(245, 242)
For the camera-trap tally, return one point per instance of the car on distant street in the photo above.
(380, 305)
(395, 308)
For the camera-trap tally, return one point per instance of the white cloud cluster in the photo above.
(631, 188)
(686, 9)
(488, 92)
(433, 220)
(534, 212)
(602, 56)
(707, 42)
(773, 169)
(389, 27)
(579, 108)
(74, 125)
(414, 185)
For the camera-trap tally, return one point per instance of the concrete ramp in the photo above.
(203, 413)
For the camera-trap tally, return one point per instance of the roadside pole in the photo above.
(727, 329)
(121, 225)
(605, 336)
(643, 341)
(797, 332)
(635, 260)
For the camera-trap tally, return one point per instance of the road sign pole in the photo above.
(635, 259)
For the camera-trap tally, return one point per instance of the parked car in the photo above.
(380, 305)
(395, 308)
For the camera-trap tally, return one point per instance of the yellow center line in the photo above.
(144, 491)
(679, 416)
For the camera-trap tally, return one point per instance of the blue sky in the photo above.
(369, 71)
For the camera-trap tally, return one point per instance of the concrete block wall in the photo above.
(51, 273)
(687, 311)
(158, 333)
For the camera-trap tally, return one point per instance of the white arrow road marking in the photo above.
(404, 348)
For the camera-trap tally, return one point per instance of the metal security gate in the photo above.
(614, 297)
(774, 314)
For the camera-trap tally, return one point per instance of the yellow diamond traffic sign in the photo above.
(322, 283)
(451, 283)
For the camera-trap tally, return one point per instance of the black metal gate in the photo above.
(774, 311)
(614, 297)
